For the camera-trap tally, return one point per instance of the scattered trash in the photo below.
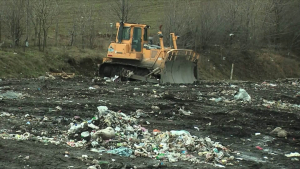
(112, 79)
(233, 86)
(294, 159)
(46, 77)
(219, 99)
(268, 84)
(258, 147)
(257, 134)
(295, 154)
(102, 110)
(125, 137)
(85, 134)
(242, 95)
(11, 95)
(179, 132)
(121, 151)
(58, 108)
(5, 114)
(92, 88)
(67, 154)
(182, 111)
(63, 75)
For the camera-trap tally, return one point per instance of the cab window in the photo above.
(126, 33)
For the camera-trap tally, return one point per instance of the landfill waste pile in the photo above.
(117, 133)
(97, 123)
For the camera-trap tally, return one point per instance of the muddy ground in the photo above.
(239, 125)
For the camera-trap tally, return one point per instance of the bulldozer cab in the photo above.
(129, 42)
(134, 35)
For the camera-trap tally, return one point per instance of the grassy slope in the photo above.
(148, 12)
(33, 63)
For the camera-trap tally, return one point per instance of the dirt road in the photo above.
(47, 107)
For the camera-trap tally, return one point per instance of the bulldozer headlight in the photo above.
(110, 49)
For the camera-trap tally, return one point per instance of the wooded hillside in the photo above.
(202, 24)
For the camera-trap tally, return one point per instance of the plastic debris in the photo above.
(295, 154)
(179, 132)
(5, 114)
(85, 134)
(182, 111)
(11, 95)
(242, 95)
(258, 147)
(121, 151)
(58, 108)
(102, 109)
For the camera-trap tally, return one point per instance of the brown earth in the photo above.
(232, 123)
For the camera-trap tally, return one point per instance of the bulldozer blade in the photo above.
(179, 70)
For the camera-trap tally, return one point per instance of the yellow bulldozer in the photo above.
(134, 56)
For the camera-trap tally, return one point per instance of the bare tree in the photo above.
(83, 24)
(91, 27)
(73, 31)
(45, 11)
(121, 10)
(14, 19)
(58, 10)
(1, 17)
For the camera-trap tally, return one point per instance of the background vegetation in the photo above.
(222, 31)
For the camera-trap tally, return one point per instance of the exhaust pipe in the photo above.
(120, 33)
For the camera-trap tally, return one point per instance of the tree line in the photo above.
(241, 24)
(201, 24)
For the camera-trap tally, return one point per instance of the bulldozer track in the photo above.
(112, 69)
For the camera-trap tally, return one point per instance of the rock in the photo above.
(106, 134)
(58, 108)
(282, 133)
(234, 112)
(42, 78)
(155, 108)
(279, 132)
(51, 77)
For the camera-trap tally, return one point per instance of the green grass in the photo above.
(33, 63)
